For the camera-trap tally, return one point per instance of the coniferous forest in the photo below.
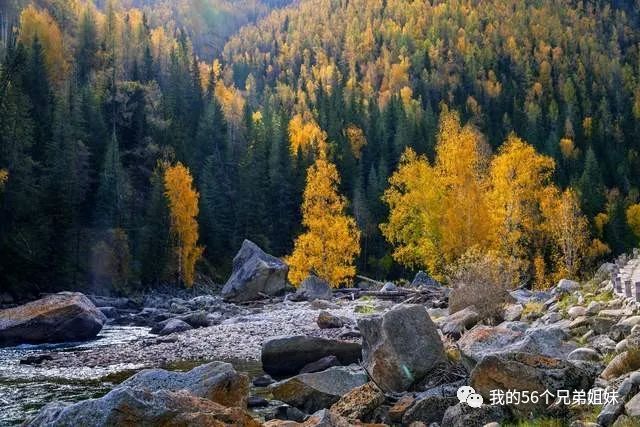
(142, 141)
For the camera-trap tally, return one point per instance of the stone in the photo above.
(603, 344)
(197, 319)
(632, 408)
(400, 347)
(287, 413)
(565, 286)
(254, 274)
(593, 308)
(257, 402)
(457, 323)
(512, 312)
(314, 391)
(326, 418)
(313, 288)
(429, 409)
(319, 304)
(463, 415)
(623, 363)
(359, 403)
(173, 326)
(525, 371)
(263, 381)
(216, 381)
(62, 317)
(327, 320)
(576, 311)
(287, 355)
(397, 411)
(125, 406)
(422, 279)
(584, 353)
(389, 287)
(482, 341)
(320, 365)
(36, 359)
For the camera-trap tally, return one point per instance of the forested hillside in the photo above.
(349, 135)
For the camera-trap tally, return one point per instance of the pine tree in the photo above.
(590, 186)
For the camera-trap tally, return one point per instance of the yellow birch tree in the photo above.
(183, 208)
(331, 242)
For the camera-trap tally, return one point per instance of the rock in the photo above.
(523, 296)
(622, 346)
(623, 363)
(127, 406)
(263, 381)
(429, 409)
(120, 303)
(109, 312)
(313, 288)
(254, 273)
(565, 286)
(257, 402)
(632, 408)
(524, 371)
(196, 319)
(327, 320)
(287, 355)
(459, 322)
(584, 353)
(400, 347)
(611, 410)
(422, 279)
(315, 391)
(173, 326)
(482, 341)
(463, 415)
(350, 334)
(389, 287)
(397, 411)
(593, 308)
(326, 418)
(216, 381)
(512, 312)
(320, 365)
(359, 403)
(318, 304)
(62, 317)
(603, 344)
(576, 311)
(36, 359)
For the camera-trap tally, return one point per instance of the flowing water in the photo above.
(24, 389)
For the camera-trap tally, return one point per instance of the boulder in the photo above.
(287, 355)
(359, 403)
(527, 372)
(313, 288)
(173, 326)
(263, 381)
(512, 312)
(255, 273)
(482, 341)
(389, 287)
(463, 415)
(327, 320)
(62, 317)
(320, 365)
(623, 363)
(326, 418)
(127, 406)
(584, 353)
(400, 347)
(314, 391)
(459, 322)
(216, 381)
(565, 286)
(429, 409)
(576, 311)
(423, 279)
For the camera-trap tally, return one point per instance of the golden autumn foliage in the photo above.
(4, 176)
(36, 23)
(183, 207)
(633, 218)
(357, 140)
(461, 162)
(567, 228)
(519, 176)
(331, 241)
(439, 212)
(305, 134)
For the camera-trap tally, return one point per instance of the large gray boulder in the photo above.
(482, 341)
(216, 381)
(126, 406)
(313, 288)
(62, 317)
(288, 355)
(318, 390)
(173, 326)
(400, 347)
(255, 273)
(463, 415)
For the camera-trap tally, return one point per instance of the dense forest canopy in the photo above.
(432, 129)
